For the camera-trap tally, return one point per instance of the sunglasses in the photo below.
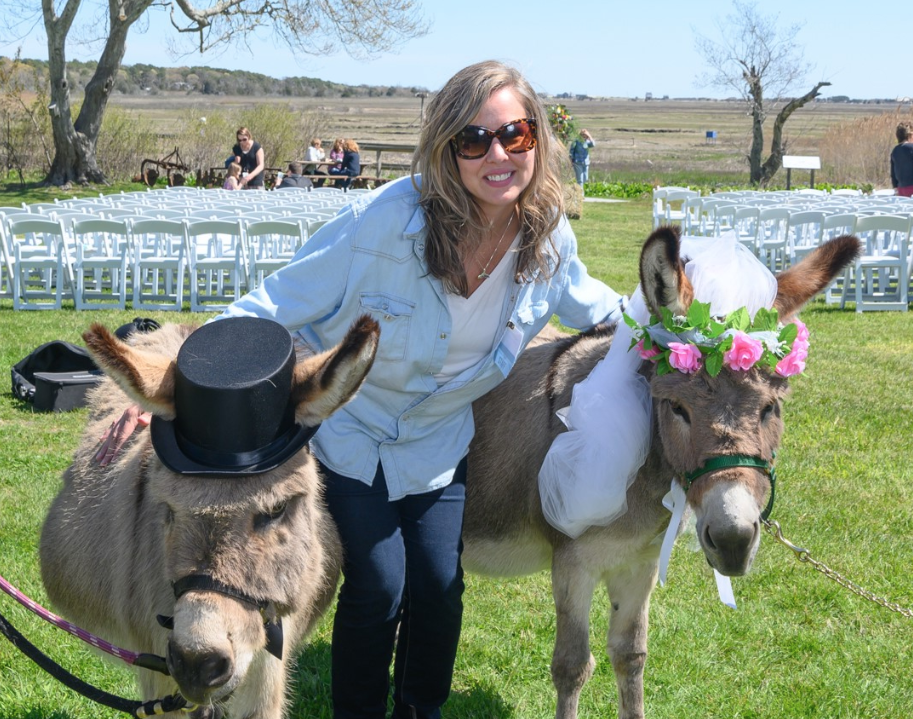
(474, 141)
(243, 137)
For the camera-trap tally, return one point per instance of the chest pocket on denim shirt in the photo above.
(533, 303)
(394, 315)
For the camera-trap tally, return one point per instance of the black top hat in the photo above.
(232, 398)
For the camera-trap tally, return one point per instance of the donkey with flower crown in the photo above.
(716, 386)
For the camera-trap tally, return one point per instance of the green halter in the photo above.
(736, 460)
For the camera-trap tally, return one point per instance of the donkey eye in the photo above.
(771, 410)
(264, 519)
(679, 411)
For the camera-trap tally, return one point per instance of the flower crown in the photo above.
(735, 341)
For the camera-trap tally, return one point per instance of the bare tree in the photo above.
(762, 63)
(316, 27)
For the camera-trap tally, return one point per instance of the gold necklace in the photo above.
(483, 275)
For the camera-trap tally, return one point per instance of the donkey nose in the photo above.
(198, 674)
(732, 544)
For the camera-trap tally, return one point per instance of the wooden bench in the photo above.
(358, 182)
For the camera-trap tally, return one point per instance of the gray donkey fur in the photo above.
(117, 537)
(695, 417)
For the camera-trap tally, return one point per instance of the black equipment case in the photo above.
(55, 377)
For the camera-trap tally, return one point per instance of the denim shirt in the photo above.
(370, 259)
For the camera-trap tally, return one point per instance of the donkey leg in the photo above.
(629, 593)
(572, 661)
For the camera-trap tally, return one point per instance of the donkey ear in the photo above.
(145, 375)
(662, 272)
(800, 283)
(326, 381)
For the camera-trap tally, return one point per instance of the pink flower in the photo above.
(793, 363)
(684, 358)
(803, 330)
(801, 343)
(743, 353)
(646, 354)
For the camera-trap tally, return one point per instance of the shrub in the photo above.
(205, 140)
(125, 140)
(858, 152)
(624, 190)
(26, 142)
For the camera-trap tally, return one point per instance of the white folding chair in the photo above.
(100, 267)
(6, 262)
(674, 201)
(158, 264)
(41, 266)
(691, 211)
(217, 263)
(881, 276)
(773, 231)
(710, 224)
(835, 226)
(272, 243)
(745, 227)
(805, 227)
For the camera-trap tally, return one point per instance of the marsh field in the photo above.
(636, 139)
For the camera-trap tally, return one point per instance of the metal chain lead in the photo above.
(803, 555)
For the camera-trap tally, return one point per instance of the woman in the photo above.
(902, 161)
(233, 177)
(462, 265)
(249, 155)
(350, 167)
(313, 156)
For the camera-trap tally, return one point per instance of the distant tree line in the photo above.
(143, 79)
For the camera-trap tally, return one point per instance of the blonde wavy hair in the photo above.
(452, 214)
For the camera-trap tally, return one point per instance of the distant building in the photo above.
(648, 96)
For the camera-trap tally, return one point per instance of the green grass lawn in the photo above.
(798, 646)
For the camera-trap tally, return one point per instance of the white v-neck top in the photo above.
(476, 319)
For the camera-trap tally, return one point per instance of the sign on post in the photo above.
(801, 162)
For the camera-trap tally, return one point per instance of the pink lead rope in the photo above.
(60, 622)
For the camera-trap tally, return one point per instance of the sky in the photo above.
(601, 48)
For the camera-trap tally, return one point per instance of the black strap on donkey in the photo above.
(138, 709)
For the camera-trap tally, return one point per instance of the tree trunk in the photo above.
(756, 93)
(75, 142)
(777, 147)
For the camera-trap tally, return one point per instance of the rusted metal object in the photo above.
(173, 166)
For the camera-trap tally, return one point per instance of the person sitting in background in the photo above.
(250, 156)
(314, 155)
(351, 165)
(902, 161)
(233, 178)
(337, 153)
(294, 178)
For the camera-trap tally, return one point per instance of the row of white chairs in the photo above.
(155, 245)
(880, 279)
(680, 204)
(99, 262)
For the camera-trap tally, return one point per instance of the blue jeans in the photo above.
(401, 572)
(582, 171)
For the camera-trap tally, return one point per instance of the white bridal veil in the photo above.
(588, 469)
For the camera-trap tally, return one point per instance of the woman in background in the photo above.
(249, 155)
(351, 165)
(312, 156)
